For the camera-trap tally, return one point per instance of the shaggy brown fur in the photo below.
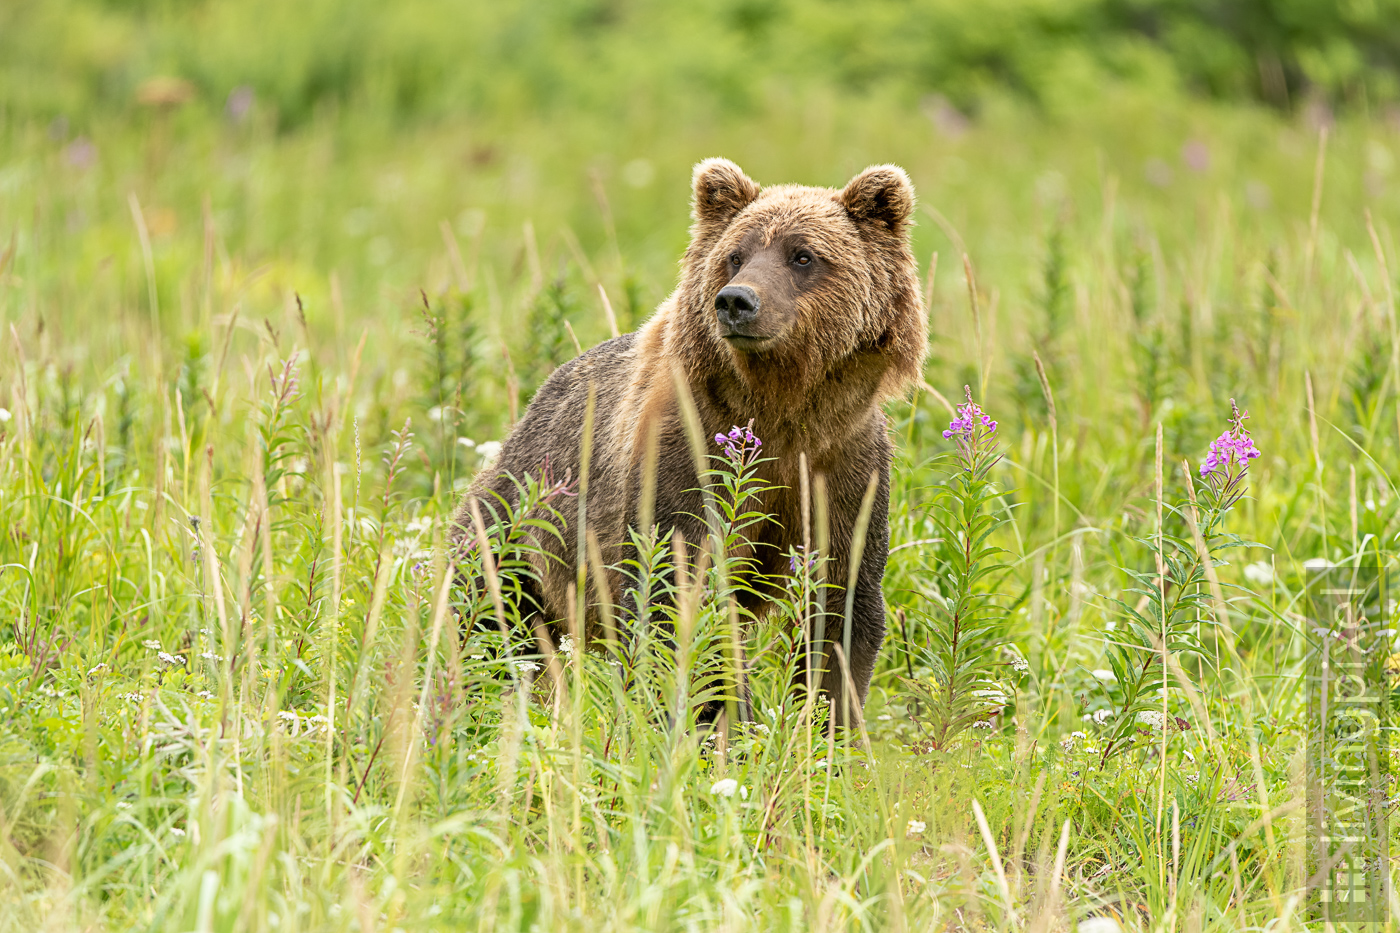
(838, 328)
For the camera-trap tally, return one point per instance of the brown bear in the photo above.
(798, 309)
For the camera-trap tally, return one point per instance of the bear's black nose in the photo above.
(737, 305)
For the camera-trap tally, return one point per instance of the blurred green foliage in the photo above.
(418, 59)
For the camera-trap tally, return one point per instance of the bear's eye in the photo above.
(803, 259)
(736, 260)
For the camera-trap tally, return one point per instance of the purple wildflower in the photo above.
(740, 444)
(975, 433)
(1232, 448)
(799, 558)
(1226, 466)
(970, 420)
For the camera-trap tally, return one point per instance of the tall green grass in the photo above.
(247, 375)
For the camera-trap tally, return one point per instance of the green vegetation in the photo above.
(273, 277)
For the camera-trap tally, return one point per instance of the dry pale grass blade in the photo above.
(939, 396)
(858, 533)
(608, 311)
(489, 570)
(1002, 887)
(1049, 911)
(454, 257)
(440, 613)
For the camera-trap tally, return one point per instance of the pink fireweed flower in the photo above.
(1233, 448)
(1226, 468)
(975, 434)
(740, 444)
(970, 420)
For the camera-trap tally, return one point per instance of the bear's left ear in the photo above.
(882, 194)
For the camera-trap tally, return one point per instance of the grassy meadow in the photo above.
(246, 370)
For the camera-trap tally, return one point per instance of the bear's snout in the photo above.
(737, 306)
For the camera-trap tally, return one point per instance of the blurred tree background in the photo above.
(427, 59)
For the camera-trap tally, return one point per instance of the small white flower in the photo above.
(211, 656)
(466, 442)
(4, 415)
(725, 787)
(1151, 717)
(167, 658)
(205, 694)
(1077, 735)
(99, 667)
(566, 646)
(123, 805)
(915, 828)
(525, 667)
(287, 715)
(131, 697)
(435, 413)
(987, 724)
(152, 644)
(1101, 716)
(884, 717)
(176, 831)
(1187, 753)
(1104, 675)
(1259, 573)
(489, 451)
(1020, 665)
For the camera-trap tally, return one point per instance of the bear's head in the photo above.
(786, 284)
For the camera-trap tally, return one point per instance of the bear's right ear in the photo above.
(721, 190)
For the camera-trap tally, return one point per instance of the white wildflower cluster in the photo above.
(1102, 716)
(1151, 718)
(131, 697)
(168, 658)
(488, 451)
(982, 724)
(525, 667)
(1020, 665)
(915, 828)
(211, 656)
(302, 725)
(1260, 573)
(727, 787)
(1069, 741)
(152, 644)
(98, 668)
